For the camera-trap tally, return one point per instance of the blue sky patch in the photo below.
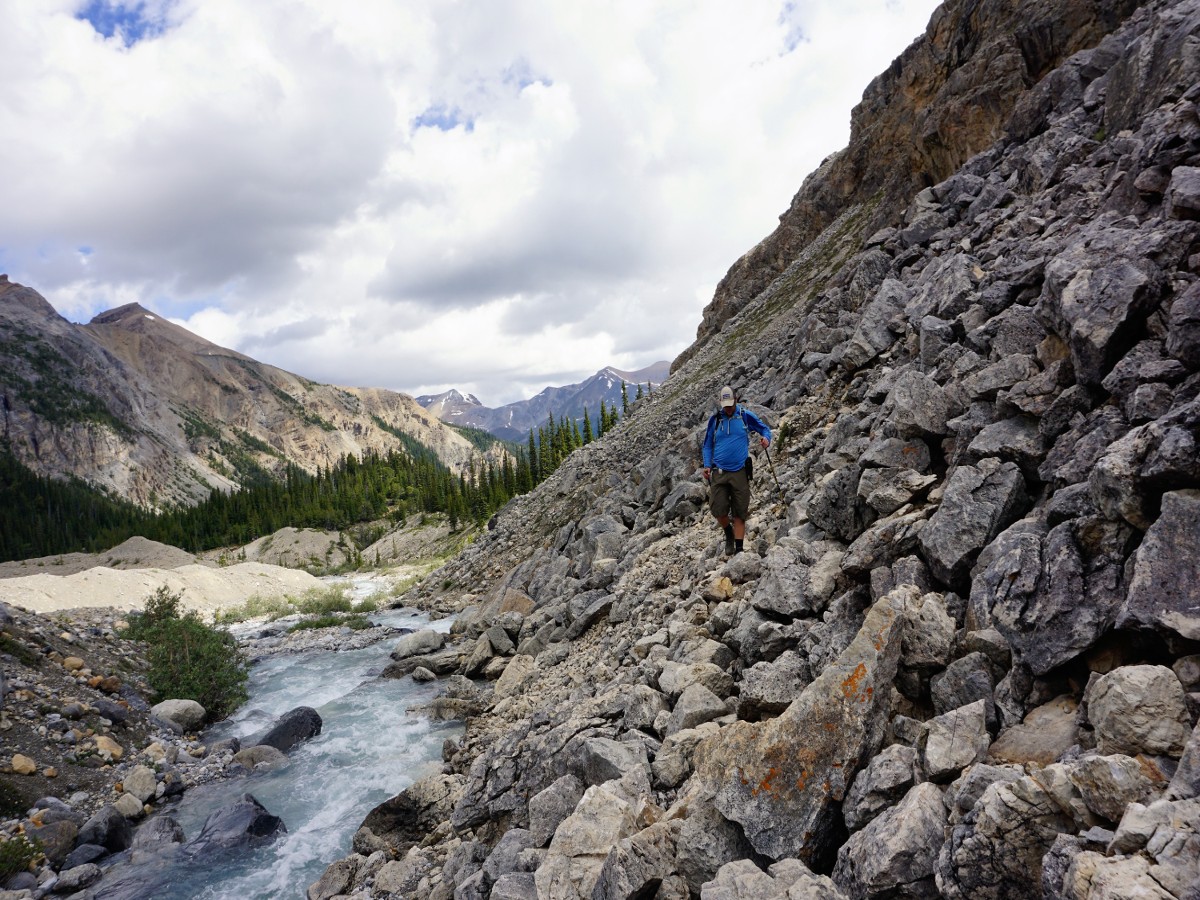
(443, 118)
(129, 20)
(521, 75)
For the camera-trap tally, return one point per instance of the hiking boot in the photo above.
(737, 547)
(730, 544)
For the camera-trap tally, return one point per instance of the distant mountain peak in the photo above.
(120, 314)
(514, 420)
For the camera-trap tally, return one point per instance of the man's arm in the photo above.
(757, 425)
(706, 453)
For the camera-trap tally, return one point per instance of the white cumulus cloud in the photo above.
(493, 196)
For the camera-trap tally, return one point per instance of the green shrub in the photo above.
(367, 604)
(160, 607)
(272, 607)
(355, 623)
(16, 855)
(322, 602)
(189, 660)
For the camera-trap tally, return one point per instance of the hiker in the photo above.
(726, 451)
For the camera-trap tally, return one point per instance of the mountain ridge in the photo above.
(135, 404)
(513, 421)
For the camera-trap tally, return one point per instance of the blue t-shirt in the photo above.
(727, 441)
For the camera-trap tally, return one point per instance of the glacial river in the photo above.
(370, 748)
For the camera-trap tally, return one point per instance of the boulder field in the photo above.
(961, 655)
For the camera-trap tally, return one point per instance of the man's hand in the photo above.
(707, 473)
(765, 443)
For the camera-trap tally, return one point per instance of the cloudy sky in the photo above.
(494, 195)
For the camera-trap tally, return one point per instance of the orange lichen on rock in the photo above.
(852, 683)
(764, 786)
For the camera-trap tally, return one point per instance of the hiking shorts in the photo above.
(729, 493)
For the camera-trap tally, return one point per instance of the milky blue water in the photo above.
(370, 748)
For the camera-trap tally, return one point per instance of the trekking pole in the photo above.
(771, 465)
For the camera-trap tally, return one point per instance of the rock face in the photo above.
(791, 771)
(130, 401)
(959, 655)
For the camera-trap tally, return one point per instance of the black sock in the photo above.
(738, 546)
(728, 529)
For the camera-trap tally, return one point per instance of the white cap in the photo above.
(727, 396)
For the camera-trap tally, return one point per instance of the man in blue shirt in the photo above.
(726, 449)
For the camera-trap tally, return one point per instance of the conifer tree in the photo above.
(638, 396)
(588, 437)
(624, 400)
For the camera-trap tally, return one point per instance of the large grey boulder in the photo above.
(896, 852)
(582, 843)
(1162, 861)
(1030, 581)
(638, 864)
(515, 674)
(187, 714)
(140, 783)
(928, 633)
(244, 822)
(836, 508)
(880, 784)
(642, 706)
(955, 740)
(505, 857)
(1182, 198)
(673, 763)
(695, 706)
(886, 490)
(768, 688)
(406, 818)
(882, 320)
(293, 727)
(980, 501)
(788, 879)
(706, 842)
(1094, 298)
(884, 542)
(1164, 592)
(261, 756)
(1183, 336)
(586, 610)
(603, 759)
(106, 828)
(967, 679)
(996, 852)
(1042, 736)
(1108, 784)
(550, 806)
(1139, 709)
(675, 678)
(783, 780)
(964, 792)
(419, 643)
(787, 586)
(918, 406)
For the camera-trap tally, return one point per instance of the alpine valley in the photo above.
(960, 657)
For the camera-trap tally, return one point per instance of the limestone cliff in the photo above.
(137, 405)
(961, 655)
(946, 98)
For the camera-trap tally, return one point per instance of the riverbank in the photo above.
(77, 727)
